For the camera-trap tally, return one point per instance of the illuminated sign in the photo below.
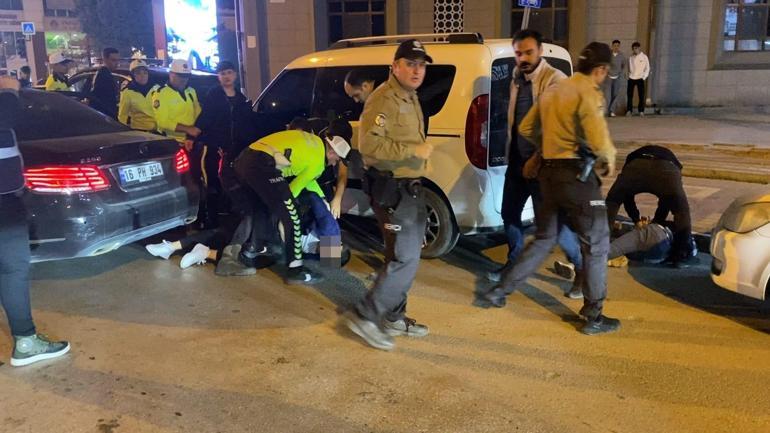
(191, 32)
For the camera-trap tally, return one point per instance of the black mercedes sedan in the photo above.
(94, 185)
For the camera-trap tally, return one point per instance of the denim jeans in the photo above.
(14, 266)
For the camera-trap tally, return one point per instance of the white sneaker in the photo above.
(197, 256)
(564, 270)
(162, 250)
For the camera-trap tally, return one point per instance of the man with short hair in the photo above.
(638, 71)
(104, 90)
(57, 80)
(567, 124)
(24, 77)
(359, 84)
(618, 69)
(392, 141)
(531, 77)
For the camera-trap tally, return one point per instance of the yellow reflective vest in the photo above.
(135, 110)
(172, 109)
(55, 83)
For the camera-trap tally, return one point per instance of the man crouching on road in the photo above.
(392, 143)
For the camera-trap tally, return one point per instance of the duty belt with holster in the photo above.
(385, 190)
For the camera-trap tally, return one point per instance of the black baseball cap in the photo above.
(412, 49)
(226, 65)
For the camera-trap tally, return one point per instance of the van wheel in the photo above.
(441, 231)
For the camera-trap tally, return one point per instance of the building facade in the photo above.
(57, 28)
(703, 52)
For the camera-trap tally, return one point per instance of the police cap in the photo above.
(412, 49)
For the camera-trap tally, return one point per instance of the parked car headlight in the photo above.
(743, 218)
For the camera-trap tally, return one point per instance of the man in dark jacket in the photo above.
(227, 127)
(104, 91)
(28, 345)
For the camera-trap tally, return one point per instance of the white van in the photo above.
(465, 101)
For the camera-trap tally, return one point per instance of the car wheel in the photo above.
(441, 233)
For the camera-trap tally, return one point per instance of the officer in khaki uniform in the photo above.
(392, 142)
(567, 125)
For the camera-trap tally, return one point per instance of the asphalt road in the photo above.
(159, 349)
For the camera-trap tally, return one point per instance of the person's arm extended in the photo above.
(531, 128)
(339, 191)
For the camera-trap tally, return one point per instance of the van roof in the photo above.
(362, 51)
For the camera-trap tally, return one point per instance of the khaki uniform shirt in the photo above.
(567, 115)
(392, 125)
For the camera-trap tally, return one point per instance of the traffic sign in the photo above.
(531, 3)
(27, 28)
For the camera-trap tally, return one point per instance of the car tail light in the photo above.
(476, 131)
(182, 162)
(66, 179)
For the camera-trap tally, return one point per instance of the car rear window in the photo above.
(502, 73)
(48, 115)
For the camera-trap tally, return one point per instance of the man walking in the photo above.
(618, 70)
(28, 345)
(104, 91)
(531, 77)
(568, 124)
(638, 71)
(392, 143)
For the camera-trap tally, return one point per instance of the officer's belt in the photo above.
(564, 162)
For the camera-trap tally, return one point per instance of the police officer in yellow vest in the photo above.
(135, 107)
(59, 64)
(176, 106)
(392, 142)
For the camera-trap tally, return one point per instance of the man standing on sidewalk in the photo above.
(638, 71)
(618, 70)
(568, 124)
(104, 91)
(28, 345)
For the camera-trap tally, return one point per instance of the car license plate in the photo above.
(135, 174)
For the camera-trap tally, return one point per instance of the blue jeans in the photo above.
(324, 222)
(567, 239)
(14, 266)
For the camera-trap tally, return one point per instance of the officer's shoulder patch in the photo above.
(156, 103)
(380, 120)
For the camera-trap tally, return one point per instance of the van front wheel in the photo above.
(441, 233)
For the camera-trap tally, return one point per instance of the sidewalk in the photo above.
(712, 144)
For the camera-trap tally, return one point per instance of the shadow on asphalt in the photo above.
(693, 287)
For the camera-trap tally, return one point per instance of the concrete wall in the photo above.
(613, 19)
(684, 76)
(290, 29)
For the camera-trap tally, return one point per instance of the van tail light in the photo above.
(66, 179)
(182, 162)
(477, 131)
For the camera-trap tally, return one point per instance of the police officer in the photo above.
(392, 143)
(176, 106)
(28, 345)
(59, 65)
(568, 124)
(135, 107)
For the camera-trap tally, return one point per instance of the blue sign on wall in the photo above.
(530, 3)
(28, 28)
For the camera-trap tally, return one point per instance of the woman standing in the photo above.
(135, 108)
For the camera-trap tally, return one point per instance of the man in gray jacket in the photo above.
(531, 77)
(617, 75)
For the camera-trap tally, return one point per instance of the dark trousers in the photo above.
(257, 170)
(14, 266)
(650, 243)
(516, 191)
(404, 230)
(256, 224)
(662, 179)
(580, 206)
(630, 95)
(323, 221)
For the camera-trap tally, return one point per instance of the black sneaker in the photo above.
(302, 275)
(28, 350)
(600, 325)
(494, 298)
